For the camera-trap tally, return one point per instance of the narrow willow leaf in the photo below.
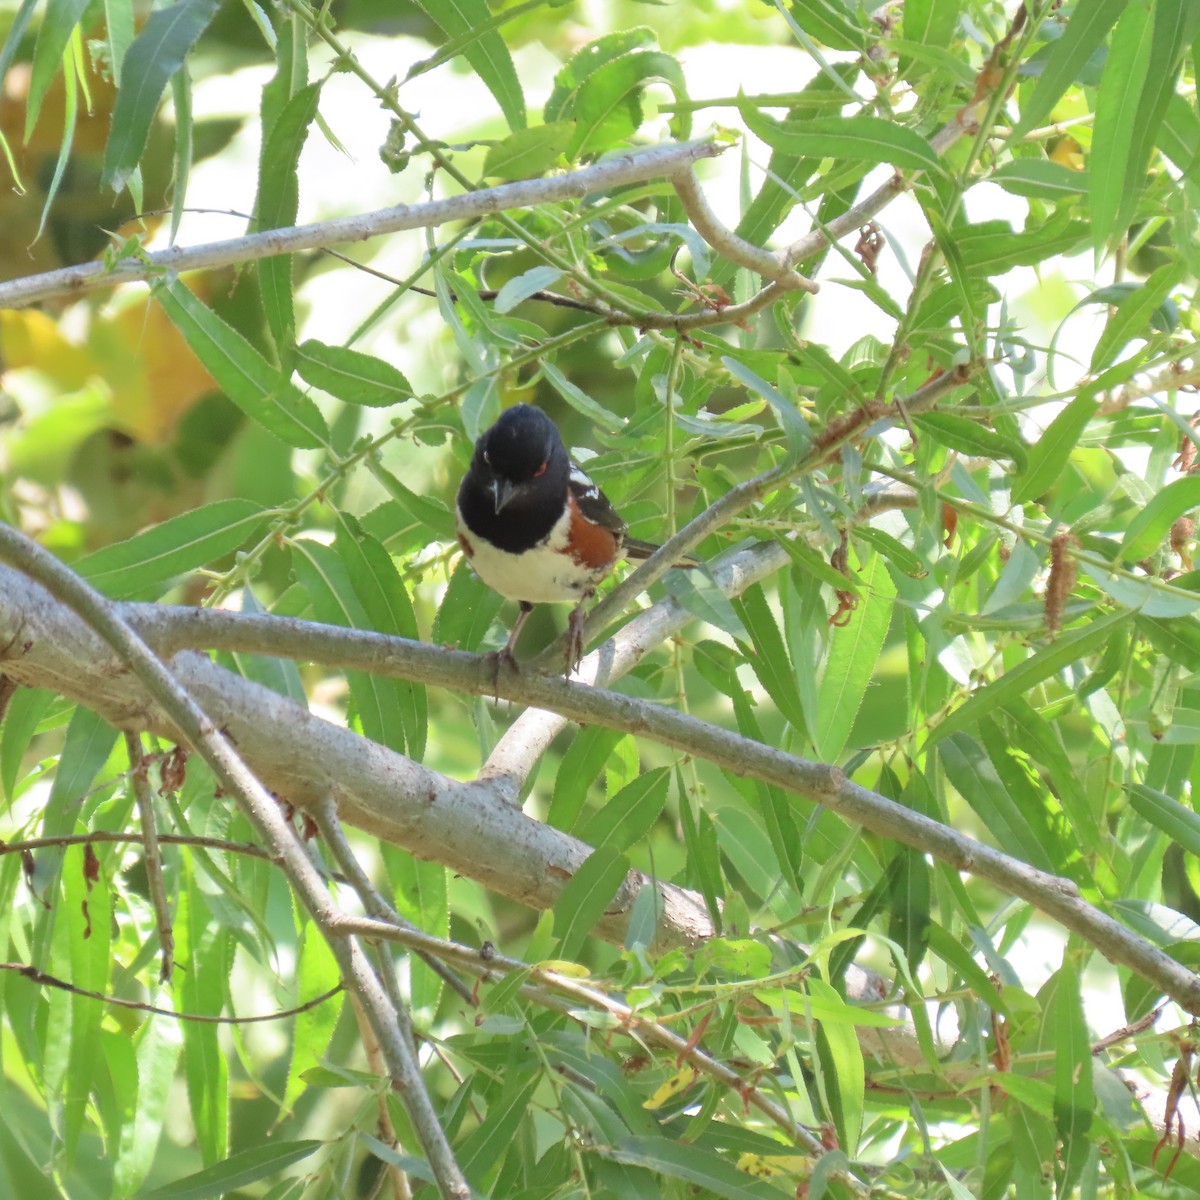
(171, 548)
(529, 153)
(1049, 454)
(1179, 640)
(237, 1171)
(850, 661)
(181, 97)
(316, 972)
(1179, 822)
(930, 22)
(581, 766)
(21, 718)
(252, 383)
(388, 609)
(433, 515)
(87, 918)
(159, 1044)
(770, 660)
(1140, 309)
(1040, 179)
(156, 54)
(608, 108)
(960, 433)
(830, 23)
(859, 139)
(1111, 165)
(690, 1164)
(795, 428)
(204, 955)
(842, 1067)
(959, 959)
(517, 290)
(421, 895)
(1017, 681)
(586, 898)
(487, 1146)
(468, 21)
(466, 612)
(580, 401)
(352, 376)
(59, 21)
(324, 575)
(975, 779)
(586, 61)
(1083, 35)
(1074, 1094)
(118, 34)
(277, 203)
(749, 849)
(1150, 526)
(629, 816)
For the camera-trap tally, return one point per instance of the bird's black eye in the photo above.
(541, 470)
(487, 458)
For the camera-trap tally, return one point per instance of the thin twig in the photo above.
(153, 855)
(47, 980)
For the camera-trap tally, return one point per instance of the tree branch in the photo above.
(619, 171)
(206, 739)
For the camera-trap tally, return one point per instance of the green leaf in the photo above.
(278, 202)
(930, 22)
(1179, 640)
(323, 573)
(586, 61)
(1019, 680)
(1049, 454)
(59, 22)
(517, 290)
(171, 548)
(857, 139)
(1150, 526)
(431, 514)
(1179, 822)
(485, 51)
(608, 108)
(842, 1068)
(586, 898)
(629, 816)
(316, 972)
(237, 1171)
(581, 766)
(1074, 1095)
(795, 429)
(466, 612)
(21, 718)
(960, 433)
(1084, 34)
(1111, 165)
(352, 376)
(854, 650)
(252, 383)
(830, 23)
(1140, 308)
(486, 1147)
(690, 1164)
(388, 609)
(156, 54)
(1040, 179)
(770, 660)
(747, 846)
(159, 1043)
(529, 153)
(974, 776)
(580, 401)
(118, 34)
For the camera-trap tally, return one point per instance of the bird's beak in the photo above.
(502, 490)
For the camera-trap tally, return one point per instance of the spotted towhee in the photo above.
(534, 526)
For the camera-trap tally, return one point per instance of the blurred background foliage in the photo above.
(1052, 255)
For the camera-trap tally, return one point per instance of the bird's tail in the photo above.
(636, 548)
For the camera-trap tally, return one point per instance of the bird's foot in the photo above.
(499, 659)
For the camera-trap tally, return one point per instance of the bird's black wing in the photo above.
(593, 503)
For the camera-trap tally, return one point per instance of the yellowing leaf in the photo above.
(679, 1082)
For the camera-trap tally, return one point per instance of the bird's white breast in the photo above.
(542, 575)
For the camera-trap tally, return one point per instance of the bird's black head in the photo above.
(515, 455)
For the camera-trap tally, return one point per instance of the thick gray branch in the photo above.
(469, 823)
(619, 171)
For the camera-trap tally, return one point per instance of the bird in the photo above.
(535, 527)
